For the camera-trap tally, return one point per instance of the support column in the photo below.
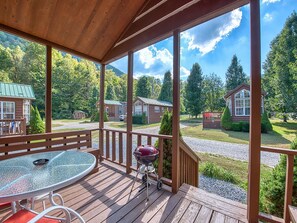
(176, 109)
(101, 111)
(129, 113)
(48, 91)
(255, 117)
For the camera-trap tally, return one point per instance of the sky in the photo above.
(213, 43)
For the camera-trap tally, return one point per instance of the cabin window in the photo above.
(138, 109)
(7, 110)
(27, 110)
(242, 103)
(157, 109)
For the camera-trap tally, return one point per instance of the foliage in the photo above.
(273, 187)
(213, 91)
(236, 126)
(143, 88)
(280, 70)
(245, 126)
(95, 117)
(193, 91)
(110, 94)
(265, 121)
(166, 89)
(139, 119)
(36, 123)
(166, 129)
(226, 120)
(235, 75)
(214, 171)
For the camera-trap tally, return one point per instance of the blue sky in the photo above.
(212, 44)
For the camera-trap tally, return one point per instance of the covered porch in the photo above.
(124, 28)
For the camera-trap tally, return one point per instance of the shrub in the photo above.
(214, 171)
(236, 126)
(265, 121)
(273, 186)
(95, 117)
(226, 120)
(245, 126)
(36, 123)
(139, 119)
(264, 128)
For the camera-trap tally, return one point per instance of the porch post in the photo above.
(176, 107)
(255, 117)
(129, 113)
(48, 91)
(101, 111)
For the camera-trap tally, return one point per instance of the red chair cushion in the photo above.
(4, 205)
(23, 216)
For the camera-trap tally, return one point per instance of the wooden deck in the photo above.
(106, 196)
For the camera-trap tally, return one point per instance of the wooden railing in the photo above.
(289, 184)
(115, 150)
(189, 165)
(12, 127)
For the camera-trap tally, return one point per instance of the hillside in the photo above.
(11, 41)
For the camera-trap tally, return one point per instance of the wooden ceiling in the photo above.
(104, 30)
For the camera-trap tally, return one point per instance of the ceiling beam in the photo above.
(198, 13)
(46, 42)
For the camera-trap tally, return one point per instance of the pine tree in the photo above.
(110, 94)
(226, 120)
(143, 88)
(166, 89)
(193, 91)
(235, 75)
(36, 123)
(280, 68)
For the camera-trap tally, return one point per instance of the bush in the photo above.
(273, 186)
(245, 126)
(226, 119)
(139, 119)
(236, 126)
(95, 117)
(36, 123)
(265, 121)
(214, 171)
(264, 128)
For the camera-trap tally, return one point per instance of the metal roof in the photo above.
(155, 102)
(12, 90)
(112, 102)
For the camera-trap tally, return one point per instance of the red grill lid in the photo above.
(147, 150)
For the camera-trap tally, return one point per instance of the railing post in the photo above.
(289, 187)
(175, 165)
(129, 113)
(255, 117)
(101, 111)
(161, 157)
(48, 92)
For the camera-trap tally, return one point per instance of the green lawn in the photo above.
(68, 130)
(122, 125)
(238, 168)
(282, 135)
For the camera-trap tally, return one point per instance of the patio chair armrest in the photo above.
(67, 211)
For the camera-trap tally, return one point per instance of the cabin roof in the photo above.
(13, 90)
(154, 102)
(104, 31)
(239, 88)
(112, 102)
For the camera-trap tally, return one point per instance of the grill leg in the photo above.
(147, 185)
(135, 179)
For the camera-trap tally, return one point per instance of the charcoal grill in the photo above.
(145, 156)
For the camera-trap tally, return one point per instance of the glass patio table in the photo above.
(21, 179)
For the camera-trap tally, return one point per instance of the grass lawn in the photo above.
(282, 135)
(122, 125)
(238, 168)
(69, 130)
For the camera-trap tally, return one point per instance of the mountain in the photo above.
(11, 41)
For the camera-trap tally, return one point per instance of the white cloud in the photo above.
(184, 72)
(206, 36)
(270, 1)
(267, 17)
(151, 55)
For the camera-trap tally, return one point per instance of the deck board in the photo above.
(108, 196)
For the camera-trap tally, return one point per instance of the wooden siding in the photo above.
(108, 196)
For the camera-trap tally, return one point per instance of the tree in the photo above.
(265, 121)
(166, 89)
(226, 119)
(235, 75)
(143, 88)
(36, 123)
(193, 91)
(280, 76)
(213, 91)
(110, 94)
(273, 186)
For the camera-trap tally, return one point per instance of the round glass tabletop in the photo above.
(21, 178)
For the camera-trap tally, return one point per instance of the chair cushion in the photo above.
(4, 205)
(24, 216)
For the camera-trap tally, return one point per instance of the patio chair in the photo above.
(29, 216)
